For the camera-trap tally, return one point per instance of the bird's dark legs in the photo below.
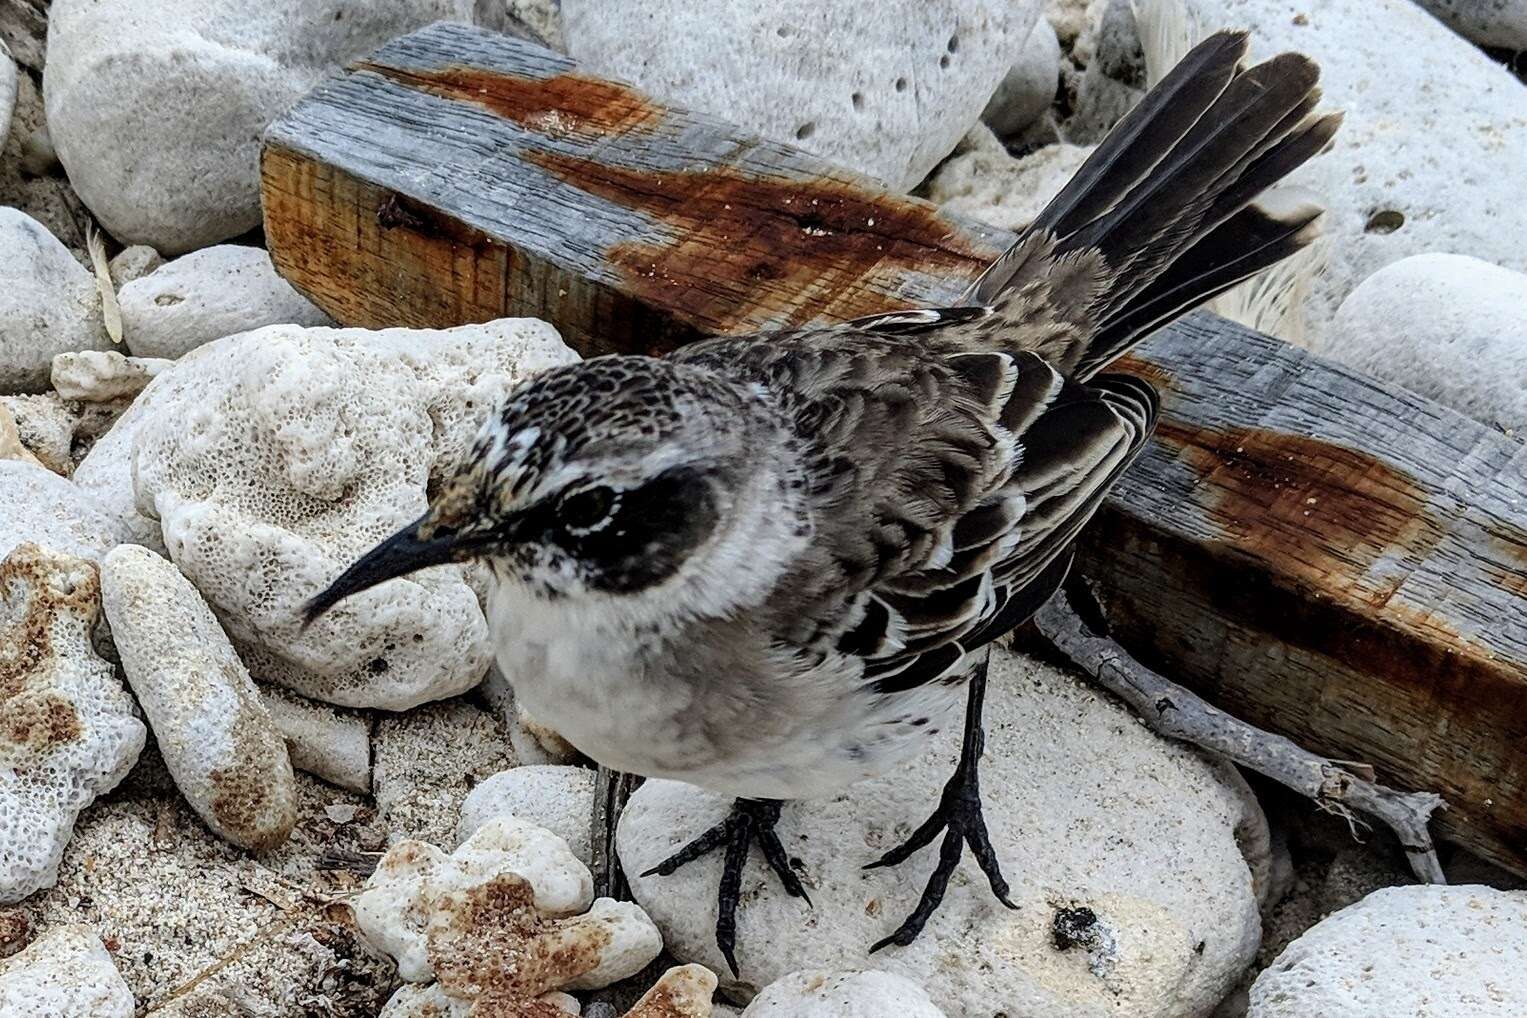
(959, 816)
(750, 820)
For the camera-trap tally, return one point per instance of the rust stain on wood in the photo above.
(1315, 511)
(561, 104)
(743, 251)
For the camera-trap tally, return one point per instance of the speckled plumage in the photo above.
(767, 564)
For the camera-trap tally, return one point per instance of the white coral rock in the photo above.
(67, 731)
(37, 505)
(206, 295)
(102, 376)
(509, 913)
(226, 755)
(274, 458)
(334, 745)
(65, 974)
(869, 994)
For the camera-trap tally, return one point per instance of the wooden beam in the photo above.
(1326, 556)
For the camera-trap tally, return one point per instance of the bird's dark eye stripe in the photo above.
(586, 508)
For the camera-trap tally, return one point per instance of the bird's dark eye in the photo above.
(584, 511)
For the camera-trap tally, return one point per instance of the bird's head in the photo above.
(612, 477)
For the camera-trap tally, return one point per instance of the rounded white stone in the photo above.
(206, 295)
(66, 973)
(157, 106)
(1450, 327)
(559, 798)
(886, 89)
(103, 376)
(1087, 810)
(1406, 952)
(869, 994)
(48, 303)
(217, 739)
(334, 746)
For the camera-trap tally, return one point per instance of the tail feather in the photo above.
(1160, 218)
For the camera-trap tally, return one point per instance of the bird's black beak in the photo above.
(402, 553)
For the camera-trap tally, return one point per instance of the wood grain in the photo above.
(1325, 556)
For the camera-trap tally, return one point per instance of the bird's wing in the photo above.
(947, 486)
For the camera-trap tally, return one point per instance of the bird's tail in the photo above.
(1174, 207)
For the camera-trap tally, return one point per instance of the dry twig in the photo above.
(1172, 711)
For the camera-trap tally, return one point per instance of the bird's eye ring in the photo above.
(583, 512)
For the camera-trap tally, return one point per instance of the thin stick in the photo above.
(1174, 712)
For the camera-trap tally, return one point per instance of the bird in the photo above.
(773, 565)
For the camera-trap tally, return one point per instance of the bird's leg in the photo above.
(959, 816)
(750, 820)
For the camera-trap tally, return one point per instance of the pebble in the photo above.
(38, 505)
(103, 376)
(67, 730)
(48, 303)
(1137, 834)
(333, 745)
(226, 755)
(1406, 952)
(1500, 24)
(510, 914)
(1430, 150)
(157, 106)
(11, 445)
(46, 428)
(869, 994)
(1029, 87)
(134, 262)
(7, 91)
(427, 760)
(987, 184)
(66, 974)
(1449, 327)
(559, 798)
(206, 295)
(273, 459)
(886, 89)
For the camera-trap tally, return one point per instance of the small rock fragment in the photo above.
(206, 295)
(225, 753)
(11, 446)
(15, 931)
(1434, 951)
(334, 745)
(48, 303)
(47, 427)
(38, 505)
(1029, 87)
(682, 992)
(7, 91)
(103, 376)
(867, 994)
(64, 974)
(134, 262)
(559, 798)
(986, 183)
(67, 731)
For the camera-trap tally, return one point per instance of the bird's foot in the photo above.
(959, 816)
(750, 820)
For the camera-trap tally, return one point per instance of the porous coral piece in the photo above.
(67, 731)
(334, 745)
(66, 974)
(275, 458)
(682, 992)
(103, 376)
(37, 505)
(218, 740)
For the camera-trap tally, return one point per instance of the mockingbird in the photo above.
(771, 565)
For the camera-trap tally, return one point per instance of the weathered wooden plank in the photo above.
(461, 176)
(1326, 556)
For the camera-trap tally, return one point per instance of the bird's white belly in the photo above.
(583, 674)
